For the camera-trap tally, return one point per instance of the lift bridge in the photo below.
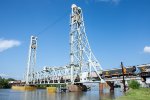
(83, 67)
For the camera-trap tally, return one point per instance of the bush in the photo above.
(134, 84)
(4, 83)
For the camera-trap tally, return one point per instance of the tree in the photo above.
(134, 84)
(11, 79)
(4, 83)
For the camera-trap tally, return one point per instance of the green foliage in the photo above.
(4, 83)
(136, 94)
(134, 84)
(11, 79)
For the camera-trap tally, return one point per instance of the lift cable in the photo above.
(52, 24)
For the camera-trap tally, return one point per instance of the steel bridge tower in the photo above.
(81, 57)
(30, 77)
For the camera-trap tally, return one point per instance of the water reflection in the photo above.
(74, 96)
(41, 94)
(106, 94)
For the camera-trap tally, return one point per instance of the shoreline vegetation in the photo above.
(136, 94)
(4, 83)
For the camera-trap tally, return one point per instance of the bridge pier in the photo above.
(77, 87)
(111, 85)
(108, 84)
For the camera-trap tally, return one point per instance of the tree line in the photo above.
(4, 83)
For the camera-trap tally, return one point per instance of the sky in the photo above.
(117, 30)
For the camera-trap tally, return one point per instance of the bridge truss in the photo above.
(83, 67)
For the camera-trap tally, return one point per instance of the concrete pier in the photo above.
(24, 88)
(102, 86)
(77, 88)
(51, 89)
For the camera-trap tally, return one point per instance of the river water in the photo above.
(41, 94)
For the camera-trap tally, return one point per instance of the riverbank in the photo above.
(136, 94)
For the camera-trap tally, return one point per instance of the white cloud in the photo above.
(6, 44)
(147, 49)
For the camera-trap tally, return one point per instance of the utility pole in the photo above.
(123, 77)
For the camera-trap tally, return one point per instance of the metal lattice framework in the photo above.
(83, 64)
(81, 56)
(31, 61)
